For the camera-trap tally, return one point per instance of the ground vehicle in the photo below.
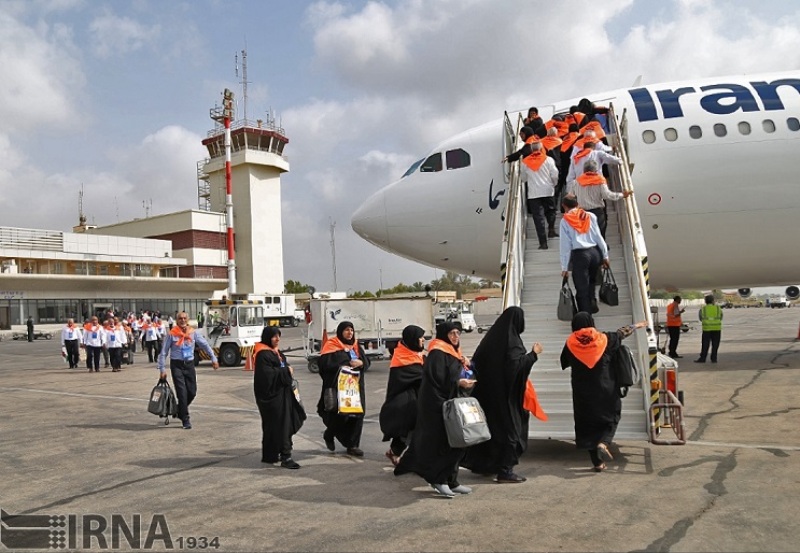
(778, 301)
(378, 323)
(36, 335)
(232, 327)
(279, 309)
(458, 312)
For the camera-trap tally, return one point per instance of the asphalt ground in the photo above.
(82, 444)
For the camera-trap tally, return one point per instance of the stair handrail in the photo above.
(632, 235)
(513, 248)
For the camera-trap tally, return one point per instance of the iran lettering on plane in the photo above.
(716, 99)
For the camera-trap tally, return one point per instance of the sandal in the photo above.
(602, 450)
(395, 459)
(599, 468)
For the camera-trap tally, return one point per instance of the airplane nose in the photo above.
(369, 220)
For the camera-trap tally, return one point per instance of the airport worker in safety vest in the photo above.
(711, 317)
(674, 324)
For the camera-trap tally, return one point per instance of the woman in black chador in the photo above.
(595, 393)
(399, 410)
(282, 415)
(429, 454)
(338, 352)
(502, 366)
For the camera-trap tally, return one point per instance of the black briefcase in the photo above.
(163, 401)
(567, 308)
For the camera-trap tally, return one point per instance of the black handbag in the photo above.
(567, 308)
(609, 293)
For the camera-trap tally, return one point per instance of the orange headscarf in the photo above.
(587, 345)
(579, 220)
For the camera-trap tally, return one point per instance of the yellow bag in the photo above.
(348, 392)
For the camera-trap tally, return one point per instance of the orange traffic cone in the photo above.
(248, 362)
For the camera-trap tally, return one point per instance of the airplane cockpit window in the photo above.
(671, 134)
(768, 125)
(456, 159)
(432, 164)
(649, 137)
(793, 124)
(720, 129)
(695, 131)
(414, 167)
(744, 127)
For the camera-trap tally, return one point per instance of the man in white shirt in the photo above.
(591, 190)
(94, 339)
(542, 175)
(70, 341)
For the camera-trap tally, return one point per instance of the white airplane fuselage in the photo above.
(714, 177)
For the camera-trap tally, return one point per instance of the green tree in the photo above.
(295, 287)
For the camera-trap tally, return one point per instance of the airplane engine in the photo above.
(792, 292)
(745, 292)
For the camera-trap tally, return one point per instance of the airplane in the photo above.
(713, 173)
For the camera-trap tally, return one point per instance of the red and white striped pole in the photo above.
(227, 105)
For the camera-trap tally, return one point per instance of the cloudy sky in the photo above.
(115, 95)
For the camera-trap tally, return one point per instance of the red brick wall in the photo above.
(186, 239)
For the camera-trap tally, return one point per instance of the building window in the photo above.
(58, 268)
(768, 125)
(671, 134)
(720, 130)
(695, 131)
(744, 127)
(649, 137)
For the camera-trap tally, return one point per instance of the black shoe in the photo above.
(510, 478)
(543, 246)
(595, 306)
(289, 464)
(699, 360)
(355, 452)
(329, 443)
(270, 461)
(676, 356)
(552, 234)
(187, 424)
(713, 360)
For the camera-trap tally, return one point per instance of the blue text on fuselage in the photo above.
(719, 99)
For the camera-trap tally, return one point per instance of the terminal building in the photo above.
(170, 262)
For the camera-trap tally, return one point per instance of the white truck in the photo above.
(279, 309)
(378, 323)
(232, 328)
(458, 312)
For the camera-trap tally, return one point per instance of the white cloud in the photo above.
(113, 35)
(41, 76)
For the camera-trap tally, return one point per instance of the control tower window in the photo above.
(414, 167)
(456, 159)
(432, 164)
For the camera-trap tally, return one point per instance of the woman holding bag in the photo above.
(429, 455)
(342, 351)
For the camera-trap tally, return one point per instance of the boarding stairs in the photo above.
(532, 280)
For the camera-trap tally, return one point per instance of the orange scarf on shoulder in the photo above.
(334, 344)
(587, 345)
(446, 347)
(590, 178)
(535, 160)
(551, 142)
(403, 357)
(569, 140)
(583, 153)
(180, 335)
(579, 220)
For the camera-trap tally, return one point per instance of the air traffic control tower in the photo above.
(256, 163)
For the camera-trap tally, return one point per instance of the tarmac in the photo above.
(83, 445)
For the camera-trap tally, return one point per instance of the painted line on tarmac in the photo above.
(746, 446)
(95, 396)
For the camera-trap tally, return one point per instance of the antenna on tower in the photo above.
(333, 253)
(81, 216)
(244, 80)
(148, 206)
